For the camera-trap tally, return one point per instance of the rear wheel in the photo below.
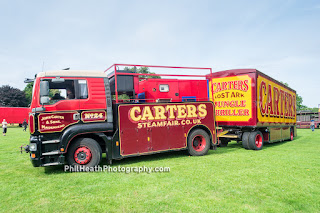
(84, 152)
(198, 142)
(256, 140)
(245, 140)
(291, 134)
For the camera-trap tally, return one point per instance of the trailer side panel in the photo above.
(149, 128)
(276, 104)
(234, 96)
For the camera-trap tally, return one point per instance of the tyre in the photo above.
(223, 142)
(84, 152)
(245, 140)
(291, 134)
(198, 142)
(255, 140)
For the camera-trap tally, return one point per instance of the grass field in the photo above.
(283, 177)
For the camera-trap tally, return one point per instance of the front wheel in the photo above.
(84, 152)
(198, 142)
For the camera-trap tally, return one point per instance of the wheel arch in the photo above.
(94, 136)
(203, 127)
(95, 131)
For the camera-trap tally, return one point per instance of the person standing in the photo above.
(4, 127)
(312, 125)
(24, 124)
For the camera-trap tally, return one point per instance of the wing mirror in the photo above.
(44, 92)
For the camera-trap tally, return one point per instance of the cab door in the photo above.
(63, 107)
(63, 95)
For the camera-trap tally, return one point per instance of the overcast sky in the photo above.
(279, 38)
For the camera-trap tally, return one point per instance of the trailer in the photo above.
(14, 115)
(252, 107)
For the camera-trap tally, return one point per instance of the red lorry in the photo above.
(14, 115)
(87, 117)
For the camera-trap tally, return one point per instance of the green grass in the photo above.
(283, 177)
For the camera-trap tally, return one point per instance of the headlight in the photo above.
(33, 147)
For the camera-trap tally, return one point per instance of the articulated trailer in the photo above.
(86, 117)
(252, 107)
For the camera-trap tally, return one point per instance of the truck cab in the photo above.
(66, 105)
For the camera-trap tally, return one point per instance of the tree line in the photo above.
(14, 97)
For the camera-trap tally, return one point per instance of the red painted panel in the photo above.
(35, 97)
(131, 140)
(14, 114)
(194, 88)
(97, 95)
(63, 105)
(151, 89)
(177, 89)
(144, 140)
(55, 122)
(146, 128)
(96, 99)
(159, 138)
(31, 124)
(176, 138)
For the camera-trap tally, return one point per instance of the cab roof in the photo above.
(72, 73)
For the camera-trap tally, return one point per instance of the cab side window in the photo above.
(67, 90)
(83, 89)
